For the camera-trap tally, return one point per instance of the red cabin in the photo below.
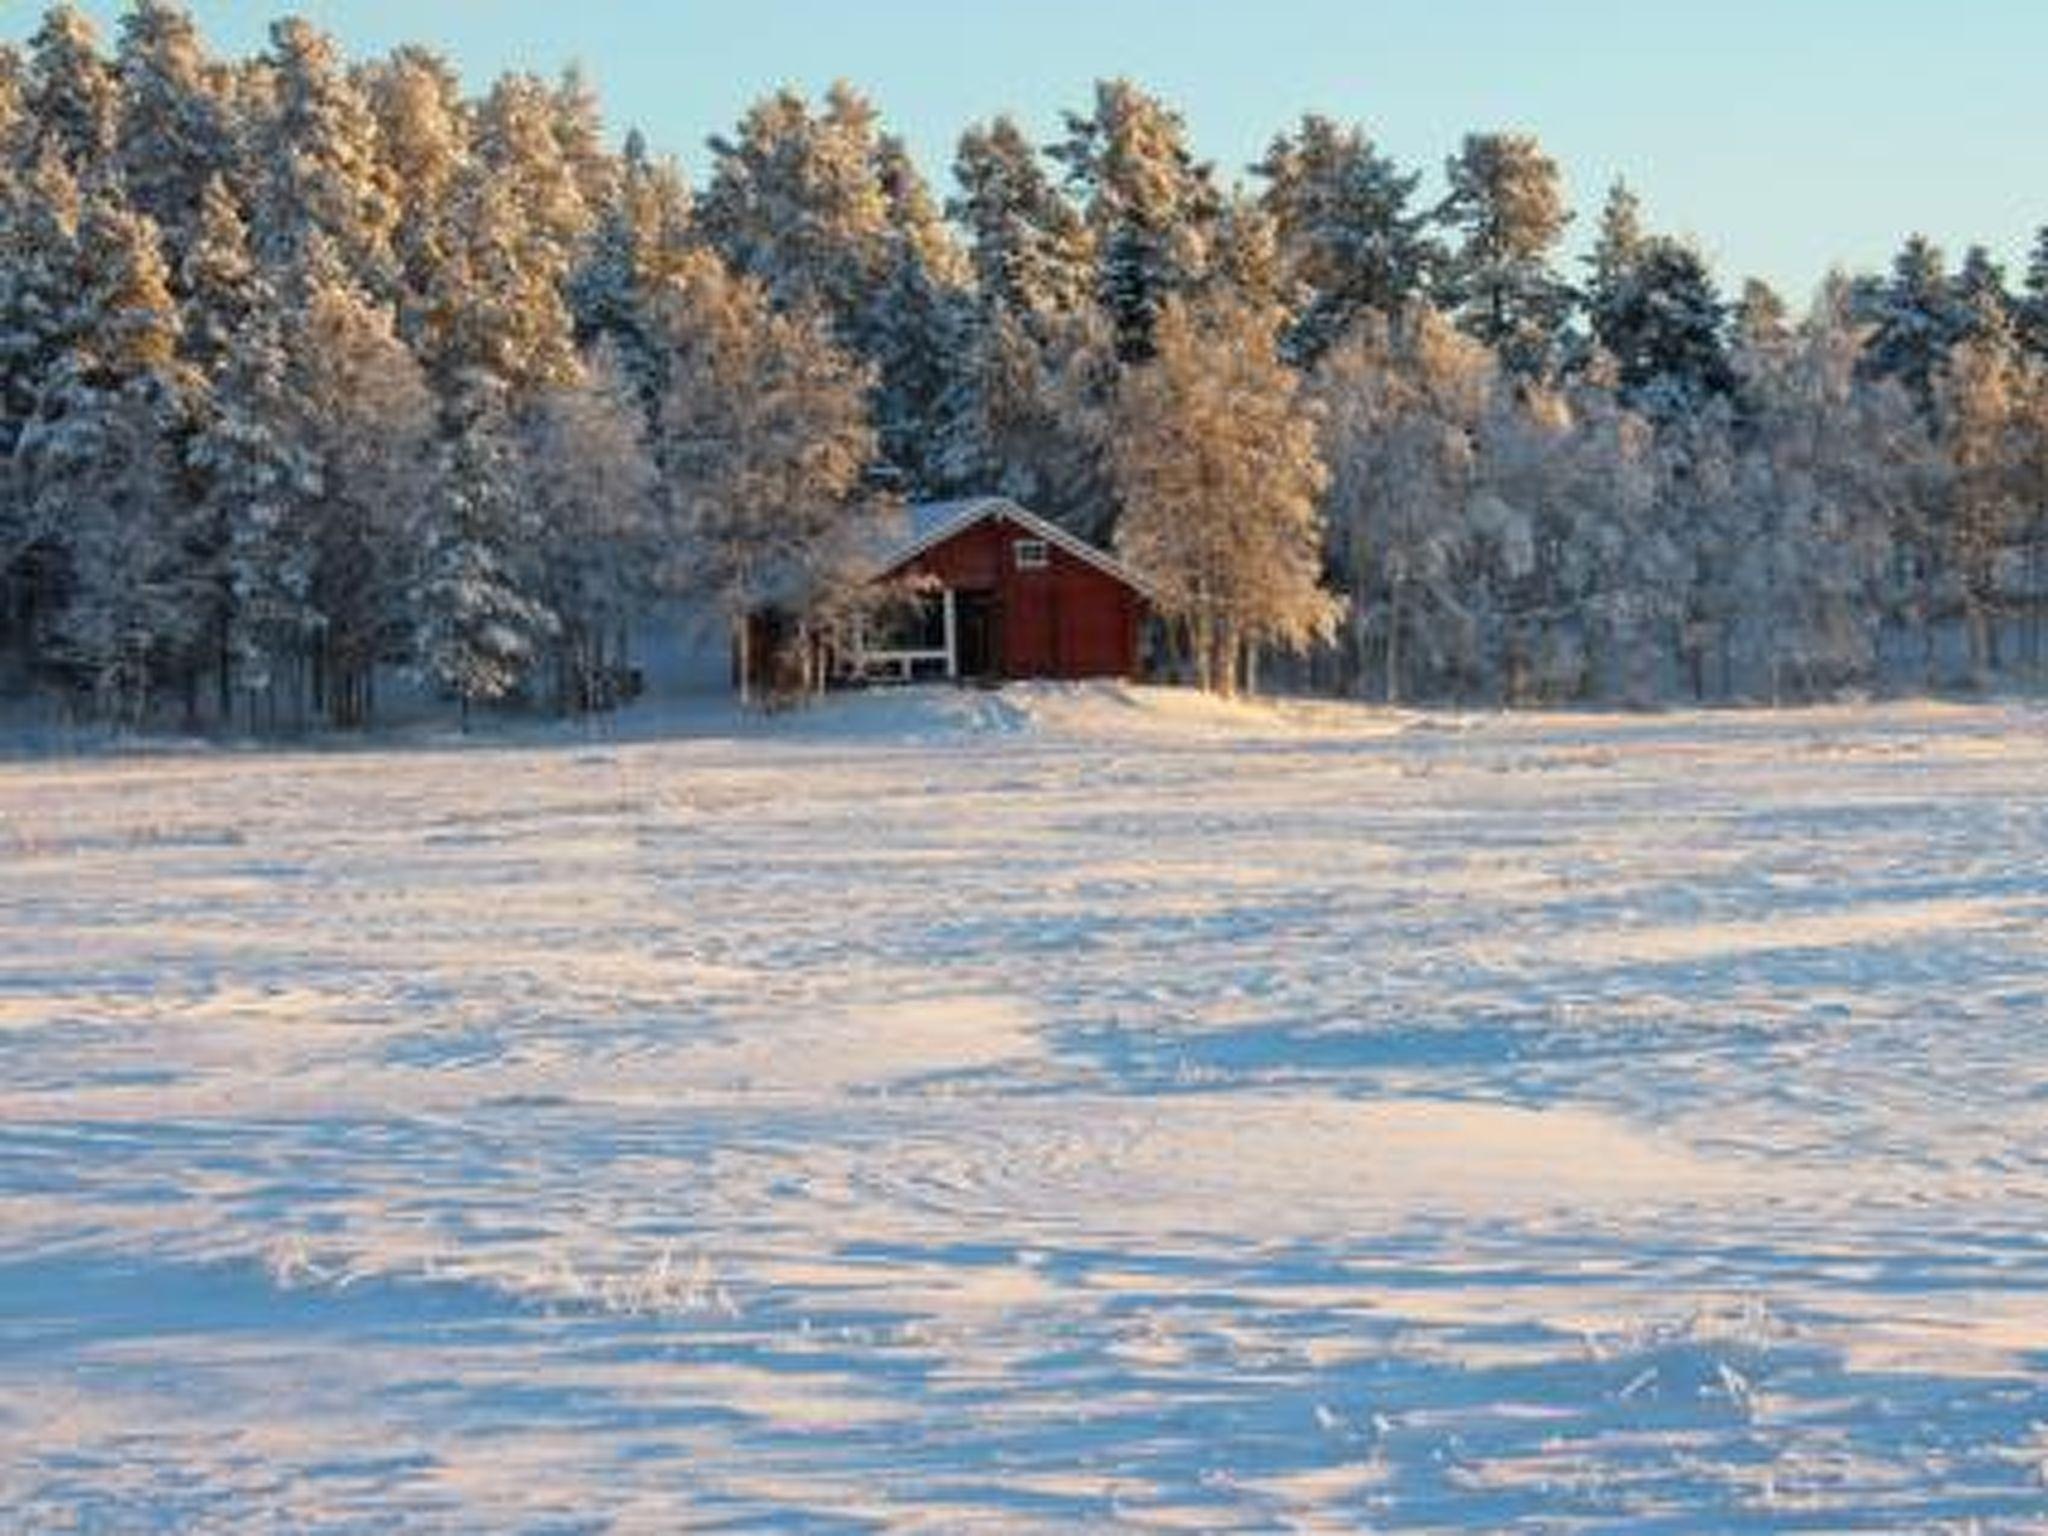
(1001, 594)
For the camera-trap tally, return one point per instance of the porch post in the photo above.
(952, 639)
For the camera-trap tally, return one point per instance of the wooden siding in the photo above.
(1066, 619)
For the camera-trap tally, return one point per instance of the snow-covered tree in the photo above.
(175, 136)
(796, 202)
(1031, 252)
(916, 332)
(1352, 241)
(315, 149)
(1799, 564)
(1507, 204)
(1664, 325)
(1150, 204)
(1988, 405)
(641, 237)
(423, 149)
(479, 623)
(1403, 398)
(98, 461)
(762, 439)
(70, 94)
(360, 408)
(1216, 463)
(593, 490)
(1914, 320)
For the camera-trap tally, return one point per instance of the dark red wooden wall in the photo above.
(1070, 619)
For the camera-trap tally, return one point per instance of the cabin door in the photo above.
(978, 634)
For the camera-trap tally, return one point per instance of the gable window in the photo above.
(1031, 554)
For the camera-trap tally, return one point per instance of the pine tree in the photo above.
(1613, 269)
(1914, 320)
(1983, 303)
(1507, 202)
(2032, 318)
(175, 137)
(1151, 206)
(796, 202)
(361, 410)
(316, 154)
(423, 147)
(98, 461)
(640, 239)
(917, 332)
(1031, 252)
(70, 94)
(1216, 463)
(1985, 395)
(1351, 241)
(1665, 328)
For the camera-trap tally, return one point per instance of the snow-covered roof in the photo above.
(933, 522)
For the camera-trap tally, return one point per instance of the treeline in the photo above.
(311, 371)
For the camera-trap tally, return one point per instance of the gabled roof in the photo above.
(934, 522)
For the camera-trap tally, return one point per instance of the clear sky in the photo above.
(1784, 136)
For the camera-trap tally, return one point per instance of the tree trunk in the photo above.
(743, 659)
(1394, 644)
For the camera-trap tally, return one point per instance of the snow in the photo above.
(1061, 1108)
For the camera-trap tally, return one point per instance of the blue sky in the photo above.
(1783, 136)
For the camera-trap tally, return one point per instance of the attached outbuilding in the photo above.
(986, 590)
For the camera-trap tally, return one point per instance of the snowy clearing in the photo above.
(1046, 1110)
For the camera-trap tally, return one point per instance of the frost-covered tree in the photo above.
(2032, 307)
(593, 489)
(796, 202)
(361, 409)
(98, 461)
(1032, 254)
(762, 439)
(1983, 302)
(70, 94)
(917, 331)
(315, 149)
(423, 149)
(1403, 398)
(641, 238)
(1665, 327)
(1987, 400)
(1612, 265)
(1350, 237)
(1507, 205)
(175, 136)
(1150, 204)
(1914, 320)
(1799, 565)
(1216, 463)
(479, 623)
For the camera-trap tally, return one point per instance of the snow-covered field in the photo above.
(1054, 1110)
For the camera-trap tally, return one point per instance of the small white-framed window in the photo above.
(1031, 554)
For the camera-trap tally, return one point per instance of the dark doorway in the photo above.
(978, 632)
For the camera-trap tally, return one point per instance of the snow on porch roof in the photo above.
(934, 522)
